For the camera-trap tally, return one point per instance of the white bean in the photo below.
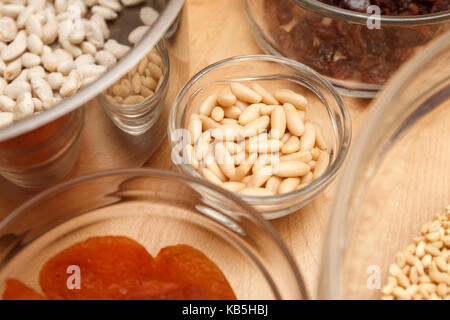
(117, 49)
(94, 34)
(12, 10)
(111, 4)
(50, 32)
(136, 35)
(89, 48)
(30, 60)
(105, 58)
(8, 29)
(16, 88)
(34, 44)
(16, 47)
(7, 104)
(90, 70)
(106, 13)
(100, 21)
(41, 89)
(71, 84)
(24, 107)
(148, 15)
(33, 26)
(129, 3)
(12, 69)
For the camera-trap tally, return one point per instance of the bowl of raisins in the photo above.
(356, 44)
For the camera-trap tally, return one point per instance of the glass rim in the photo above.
(344, 140)
(266, 226)
(76, 119)
(340, 224)
(120, 108)
(359, 17)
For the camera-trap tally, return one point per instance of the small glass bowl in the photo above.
(157, 209)
(137, 119)
(346, 46)
(325, 107)
(396, 178)
(45, 155)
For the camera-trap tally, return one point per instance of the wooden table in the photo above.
(210, 30)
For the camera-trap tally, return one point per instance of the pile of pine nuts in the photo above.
(140, 83)
(49, 49)
(422, 270)
(250, 141)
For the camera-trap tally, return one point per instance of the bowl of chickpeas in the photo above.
(267, 128)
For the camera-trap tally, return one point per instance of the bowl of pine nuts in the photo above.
(389, 231)
(267, 128)
(135, 101)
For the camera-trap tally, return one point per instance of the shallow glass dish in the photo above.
(137, 119)
(157, 209)
(324, 106)
(45, 155)
(396, 179)
(346, 46)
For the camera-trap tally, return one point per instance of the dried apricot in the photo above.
(109, 266)
(157, 290)
(186, 265)
(17, 290)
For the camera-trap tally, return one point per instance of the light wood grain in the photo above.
(210, 30)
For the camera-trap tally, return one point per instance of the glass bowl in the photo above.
(136, 119)
(45, 155)
(324, 106)
(396, 179)
(358, 52)
(157, 209)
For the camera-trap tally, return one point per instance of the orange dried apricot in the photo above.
(157, 290)
(184, 264)
(17, 290)
(110, 267)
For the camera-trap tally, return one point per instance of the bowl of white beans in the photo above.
(269, 129)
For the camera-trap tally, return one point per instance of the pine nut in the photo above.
(225, 161)
(211, 177)
(273, 184)
(257, 192)
(232, 112)
(208, 105)
(226, 98)
(320, 139)
(321, 165)
(260, 177)
(233, 186)
(294, 123)
(288, 185)
(195, 128)
(278, 122)
(291, 146)
(217, 114)
(255, 126)
(266, 96)
(308, 139)
(244, 93)
(295, 99)
(250, 113)
(291, 168)
(266, 110)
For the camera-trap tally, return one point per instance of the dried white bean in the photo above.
(89, 48)
(129, 3)
(8, 29)
(16, 88)
(106, 13)
(16, 48)
(148, 15)
(33, 26)
(100, 21)
(34, 44)
(7, 104)
(24, 107)
(6, 118)
(50, 32)
(136, 35)
(30, 60)
(71, 84)
(105, 58)
(12, 69)
(94, 34)
(117, 49)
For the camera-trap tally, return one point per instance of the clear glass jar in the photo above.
(136, 119)
(45, 155)
(324, 106)
(396, 179)
(157, 209)
(346, 46)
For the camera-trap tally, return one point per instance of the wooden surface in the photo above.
(210, 30)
